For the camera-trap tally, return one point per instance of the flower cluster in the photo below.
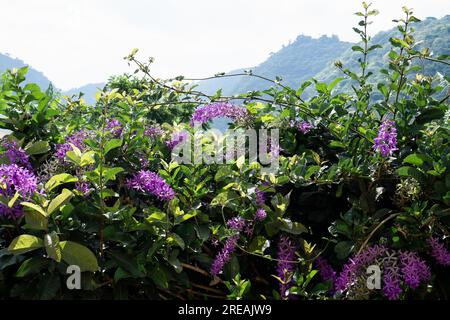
(260, 197)
(176, 138)
(223, 257)
(260, 214)
(150, 182)
(15, 179)
(83, 187)
(115, 127)
(77, 139)
(399, 268)
(438, 252)
(386, 141)
(219, 109)
(153, 132)
(302, 126)
(285, 266)
(15, 154)
(326, 271)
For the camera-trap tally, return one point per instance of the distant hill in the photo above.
(430, 33)
(7, 62)
(295, 63)
(306, 58)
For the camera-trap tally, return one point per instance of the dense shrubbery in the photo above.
(361, 182)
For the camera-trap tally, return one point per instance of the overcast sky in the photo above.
(83, 41)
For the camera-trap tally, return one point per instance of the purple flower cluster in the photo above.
(15, 154)
(219, 109)
(399, 267)
(285, 267)
(326, 271)
(224, 256)
(115, 127)
(15, 179)
(83, 187)
(302, 126)
(386, 141)
(260, 214)
(77, 139)
(260, 197)
(237, 223)
(176, 138)
(413, 269)
(438, 252)
(150, 182)
(153, 132)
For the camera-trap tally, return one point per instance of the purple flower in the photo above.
(224, 256)
(285, 267)
(302, 126)
(153, 132)
(260, 197)
(260, 214)
(237, 223)
(115, 127)
(77, 139)
(176, 138)
(326, 271)
(386, 141)
(14, 212)
(219, 109)
(391, 283)
(83, 187)
(351, 270)
(15, 154)
(147, 181)
(413, 269)
(438, 252)
(17, 179)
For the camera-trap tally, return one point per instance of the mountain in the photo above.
(306, 58)
(34, 76)
(88, 90)
(294, 63)
(430, 33)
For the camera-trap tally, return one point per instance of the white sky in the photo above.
(83, 41)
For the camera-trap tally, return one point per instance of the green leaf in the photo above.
(177, 239)
(38, 147)
(51, 243)
(292, 227)
(13, 200)
(343, 249)
(35, 220)
(76, 254)
(25, 243)
(60, 200)
(59, 179)
(416, 159)
(35, 208)
(87, 158)
(110, 173)
(31, 266)
(112, 144)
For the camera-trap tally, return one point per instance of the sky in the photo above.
(78, 42)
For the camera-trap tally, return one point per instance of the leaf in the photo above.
(13, 200)
(25, 243)
(35, 208)
(178, 240)
(38, 147)
(112, 144)
(51, 243)
(60, 200)
(343, 249)
(110, 173)
(31, 266)
(357, 48)
(59, 179)
(76, 254)
(35, 220)
(416, 159)
(292, 227)
(87, 158)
